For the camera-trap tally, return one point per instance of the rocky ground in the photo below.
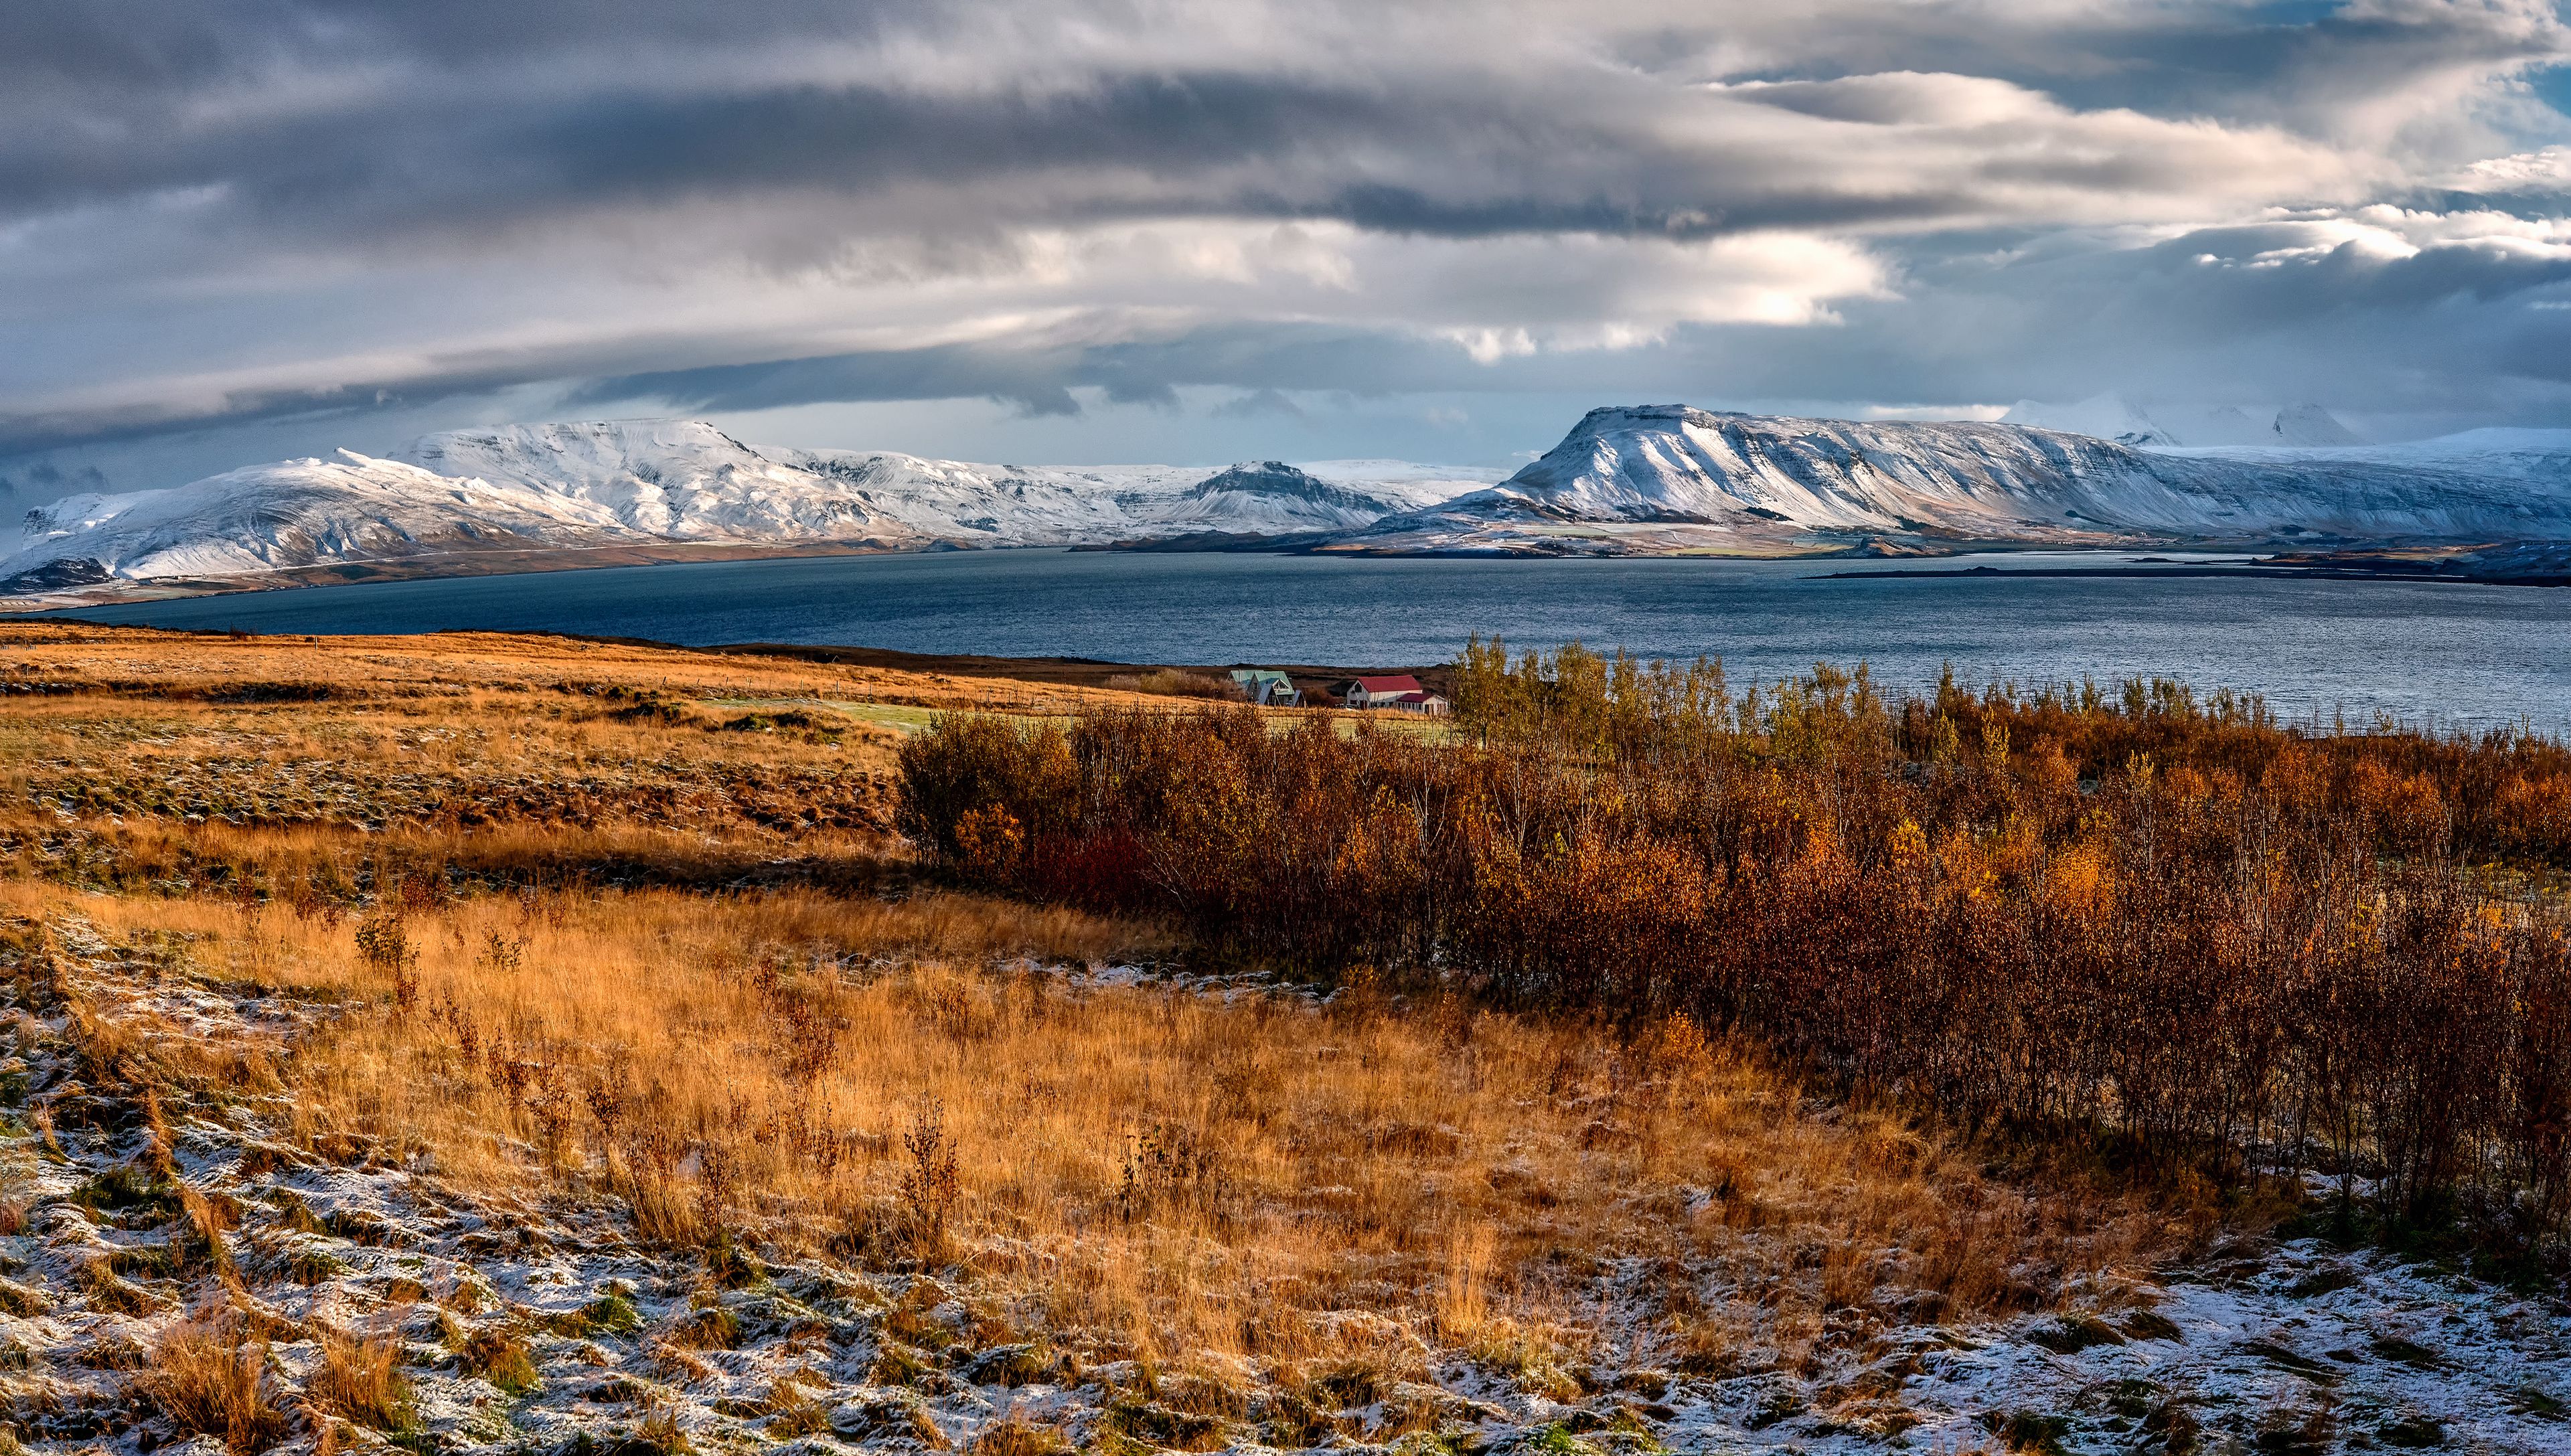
(161, 1203)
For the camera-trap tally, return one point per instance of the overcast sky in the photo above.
(1089, 231)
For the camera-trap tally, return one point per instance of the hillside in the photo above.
(295, 512)
(536, 496)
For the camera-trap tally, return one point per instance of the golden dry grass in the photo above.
(210, 1378)
(115, 725)
(285, 768)
(147, 661)
(581, 949)
(131, 758)
(360, 1379)
(1168, 1173)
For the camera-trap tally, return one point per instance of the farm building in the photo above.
(1401, 693)
(1266, 687)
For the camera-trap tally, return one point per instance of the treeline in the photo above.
(2165, 925)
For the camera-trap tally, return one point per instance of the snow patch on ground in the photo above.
(2269, 1348)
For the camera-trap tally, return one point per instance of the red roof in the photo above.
(1403, 683)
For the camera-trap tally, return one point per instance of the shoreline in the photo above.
(2452, 567)
(2336, 572)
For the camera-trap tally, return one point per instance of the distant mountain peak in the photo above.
(1277, 480)
(2310, 424)
(2179, 424)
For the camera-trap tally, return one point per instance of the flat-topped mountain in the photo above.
(1657, 478)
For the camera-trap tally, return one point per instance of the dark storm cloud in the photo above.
(2271, 313)
(451, 200)
(2241, 62)
(1257, 402)
(364, 118)
(43, 480)
(24, 432)
(1432, 158)
(1261, 359)
(1037, 385)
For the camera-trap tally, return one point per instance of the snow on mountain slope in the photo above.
(2533, 458)
(294, 513)
(1006, 505)
(659, 483)
(2310, 424)
(1633, 480)
(1001, 505)
(1271, 489)
(2482, 485)
(677, 480)
(1674, 478)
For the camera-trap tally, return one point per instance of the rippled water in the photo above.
(2456, 655)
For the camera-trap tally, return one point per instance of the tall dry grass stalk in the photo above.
(209, 1377)
(1463, 1301)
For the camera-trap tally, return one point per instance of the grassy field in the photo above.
(533, 933)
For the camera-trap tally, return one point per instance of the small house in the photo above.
(1266, 687)
(1386, 692)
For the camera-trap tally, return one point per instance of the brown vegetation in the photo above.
(608, 924)
(2176, 932)
(1150, 1171)
(1175, 683)
(318, 771)
(360, 1380)
(210, 1378)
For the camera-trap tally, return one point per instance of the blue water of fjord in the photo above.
(2452, 655)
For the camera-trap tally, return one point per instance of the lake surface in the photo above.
(2446, 655)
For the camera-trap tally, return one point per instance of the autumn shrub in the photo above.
(2156, 924)
(975, 788)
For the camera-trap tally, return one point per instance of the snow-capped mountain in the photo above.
(1660, 478)
(661, 485)
(294, 513)
(1633, 480)
(674, 480)
(2165, 423)
(2308, 424)
(1000, 505)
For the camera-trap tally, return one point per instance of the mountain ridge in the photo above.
(568, 488)
(1624, 480)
